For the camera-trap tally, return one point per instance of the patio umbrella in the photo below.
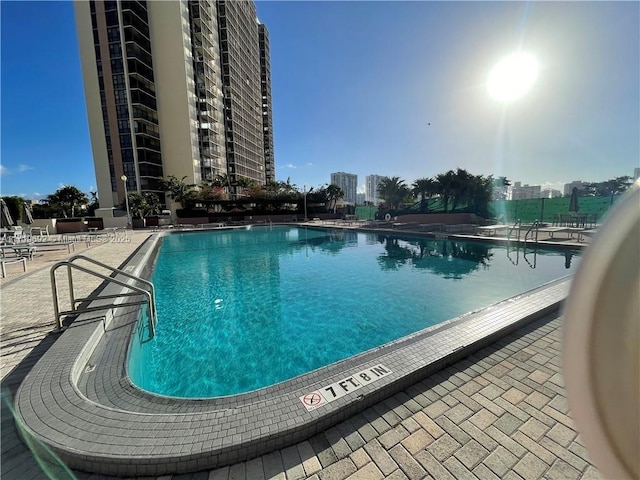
(573, 202)
(28, 215)
(5, 217)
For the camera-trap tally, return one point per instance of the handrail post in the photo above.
(54, 291)
(72, 297)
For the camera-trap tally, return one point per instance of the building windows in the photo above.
(125, 141)
(117, 66)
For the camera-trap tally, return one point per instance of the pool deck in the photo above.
(499, 413)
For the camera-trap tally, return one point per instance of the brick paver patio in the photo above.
(500, 413)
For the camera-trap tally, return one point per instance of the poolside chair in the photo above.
(491, 229)
(5, 261)
(41, 232)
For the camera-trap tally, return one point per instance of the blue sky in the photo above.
(392, 88)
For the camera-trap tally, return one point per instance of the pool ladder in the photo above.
(148, 293)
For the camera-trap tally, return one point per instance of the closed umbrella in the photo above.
(573, 202)
(5, 217)
(28, 215)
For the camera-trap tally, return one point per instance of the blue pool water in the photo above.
(243, 309)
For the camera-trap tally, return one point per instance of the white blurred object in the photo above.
(601, 344)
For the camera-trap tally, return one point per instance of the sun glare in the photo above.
(512, 77)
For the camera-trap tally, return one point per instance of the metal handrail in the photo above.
(532, 228)
(123, 273)
(516, 226)
(150, 300)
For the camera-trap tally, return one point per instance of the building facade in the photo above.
(348, 182)
(522, 192)
(371, 188)
(175, 88)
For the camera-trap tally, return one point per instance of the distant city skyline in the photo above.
(411, 102)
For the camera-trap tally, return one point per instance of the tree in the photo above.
(499, 186)
(66, 199)
(424, 188)
(393, 191)
(93, 203)
(153, 204)
(15, 205)
(480, 190)
(221, 181)
(137, 204)
(177, 190)
(334, 193)
(445, 186)
(212, 190)
(143, 205)
(614, 186)
(461, 186)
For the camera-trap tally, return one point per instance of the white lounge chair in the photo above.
(5, 261)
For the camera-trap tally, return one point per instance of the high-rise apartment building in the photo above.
(175, 88)
(267, 115)
(348, 182)
(371, 188)
(521, 192)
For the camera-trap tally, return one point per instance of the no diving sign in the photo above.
(336, 390)
(313, 400)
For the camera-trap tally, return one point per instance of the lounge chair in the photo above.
(492, 229)
(20, 250)
(587, 232)
(5, 261)
(66, 243)
(42, 232)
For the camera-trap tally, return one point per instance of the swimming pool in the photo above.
(244, 309)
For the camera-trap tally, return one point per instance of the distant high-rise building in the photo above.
(550, 193)
(348, 182)
(371, 188)
(636, 173)
(568, 187)
(521, 192)
(175, 88)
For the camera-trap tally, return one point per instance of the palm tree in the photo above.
(177, 190)
(67, 199)
(480, 190)
(445, 185)
(393, 191)
(334, 193)
(424, 188)
(462, 181)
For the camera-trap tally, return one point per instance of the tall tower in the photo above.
(267, 114)
(175, 88)
(371, 188)
(348, 182)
